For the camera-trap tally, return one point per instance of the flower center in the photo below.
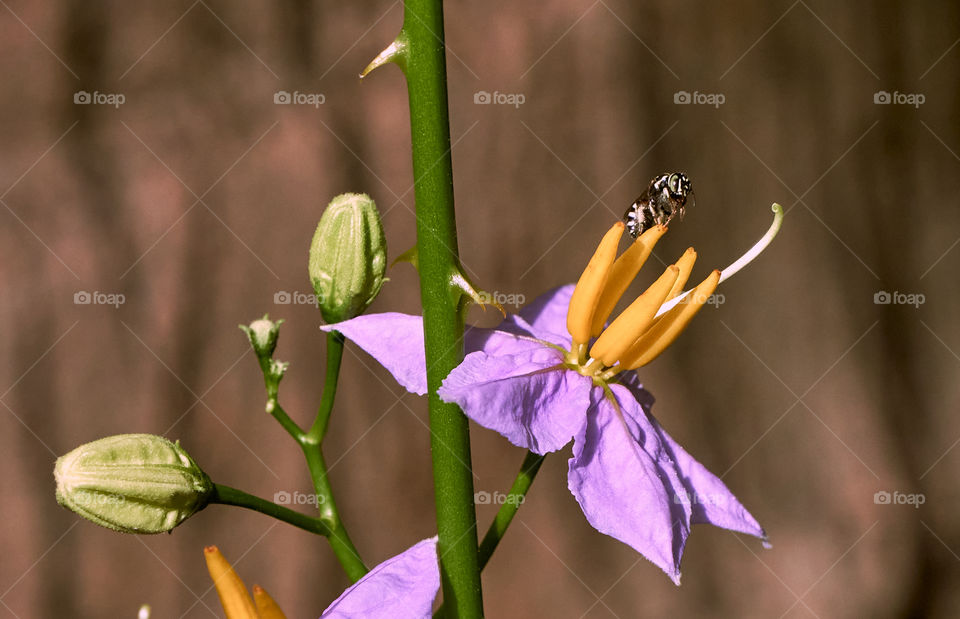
(655, 318)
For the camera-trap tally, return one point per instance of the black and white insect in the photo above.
(665, 197)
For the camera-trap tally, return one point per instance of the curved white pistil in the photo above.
(741, 262)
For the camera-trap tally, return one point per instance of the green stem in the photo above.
(312, 445)
(225, 495)
(281, 416)
(423, 61)
(515, 497)
(339, 539)
(518, 491)
(335, 342)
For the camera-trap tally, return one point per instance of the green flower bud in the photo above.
(132, 483)
(263, 335)
(348, 257)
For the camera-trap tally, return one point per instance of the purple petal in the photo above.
(400, 587)
(709, 498)
(546, 317)
(498, 341)
(625, 482)
(631, 381)
(395, 340)
(526, 397)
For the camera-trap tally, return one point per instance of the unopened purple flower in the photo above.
(557, 371)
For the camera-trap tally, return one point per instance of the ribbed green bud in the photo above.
(348, 257)
(132, 483)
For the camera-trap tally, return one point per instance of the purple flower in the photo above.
(557, 371)
(401, 587)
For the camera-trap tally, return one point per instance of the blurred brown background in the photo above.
(196, 199)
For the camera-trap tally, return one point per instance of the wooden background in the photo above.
(197, 197)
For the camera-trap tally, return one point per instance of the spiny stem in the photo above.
(424, 65)
(515, 497)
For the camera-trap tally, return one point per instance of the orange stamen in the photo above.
(583, 303)
(663, 332)
(624, 270)
(634, 321)
(685, 264)
(233, 594)
(267, 608)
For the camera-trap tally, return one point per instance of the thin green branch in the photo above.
(312, 445)
(339, 539)
(515, 498)
(285, 421)
(225, 495)
(318, 430)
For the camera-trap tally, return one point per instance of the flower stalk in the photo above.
(515, 497)
(419, 50)
(225, 495)
(310, 442)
